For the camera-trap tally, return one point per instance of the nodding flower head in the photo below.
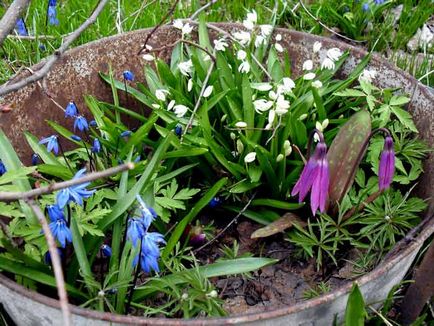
(386, 167)
(74, 193)
(315, 177)
(148, 214)
(126, 133)
(135, 230)
(20, 27)
(92, 123)
(2, 168)
(150, 251)
(106, 250)
(128, 75)
(379, 2)
(58, 226)
(52, 13)
(55, 213)
(80, 123)
(178, 129)
(96, 147)
(365, 7)
(215, 202)
(35, 159)
(71, 110)
(75, 137)
(52, 144)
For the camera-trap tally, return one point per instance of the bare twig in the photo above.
(227, 226)
(196, 107)
(11, 196)
(168, 14)
(9, 19)
(32, 37)
(51, 60)
(55, 261)
(326, 27)
(204, 7)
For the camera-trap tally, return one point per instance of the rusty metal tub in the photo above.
(76, 74)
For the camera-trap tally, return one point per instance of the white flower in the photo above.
(220, 44)
(327, 64)
(368, 75)
(426, 36)
(177, 23)
(308, 65)
(190, 85)
(287, 148)
(241, 124)
(271, 117)
(206, 57)
(248, 24)
(250, 157)
(317, 46)
(278, 47)
(244, 67)
(156, 106)
(186, 29)
(317, 84)
(287, 86)
(279, 37)
(208, 90)
(148, 47)
(273, 95)
(266, 30)
(263, 87)
(309, 76)
(242, 37)
(161, 94)
(252, 16)
(180, 110)
(259, 40)
(334, 54)
(262, 105)
(282, 105)
(241, 55)
(325, 124)
(171, 104)
(148, 57)
(185, 67)
(279, 158)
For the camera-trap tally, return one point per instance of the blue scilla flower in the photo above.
(126, 133)
(52, 144)
(106, 250)
(52, 13)
(96, 147)
(42, 47)
(74, 193)
(2, 168)
(151, 251)
(379, 2)
(35, 159)
(20, 27)
(61, 232)
(80, 123)
(365, 7)
(55, 213)
(135, 230)
(178, 129)
(137, 159)
(71, 110)
(128, 75)
(76, 138)
(92, 123)
(148, 214)
(215, 202)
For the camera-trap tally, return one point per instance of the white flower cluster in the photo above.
(184, 28)
(368, 75)
(275, 104)
(258, 32)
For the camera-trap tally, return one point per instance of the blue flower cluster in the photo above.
(52, 13)
(149, 241)
(20, 27)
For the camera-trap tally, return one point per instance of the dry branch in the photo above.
(51, 60)
(9, 19)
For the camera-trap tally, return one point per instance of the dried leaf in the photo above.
(345, 154)
(280, 225)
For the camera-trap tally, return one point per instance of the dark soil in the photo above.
(281, 284)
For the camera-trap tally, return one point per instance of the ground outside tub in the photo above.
(76, 74)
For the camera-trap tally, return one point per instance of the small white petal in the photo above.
(148, 57)
(309, 76)
(327, 64)
(242, 37)
(177, 23)
(317, 46)
(171, 104)
(220, 44)
(271, 116)
(325, 124)
(252, 16)
(334, 54)
(207, 92)
(259, 40)
(186, 67)
(241, 55)
(190, 85)
(263, 87)
(186, 29)
(318, 126)
(248, 24)
(279, 158)
(262, 105)
(317, 84)
(302, 117)
(250, 157)
(308, 65)
(180, 110)
(266, 30)
(156, 106)
(241, 124)
(273, 95)
(161, 94)
(244, 67)
(278, 47)
(279, 37)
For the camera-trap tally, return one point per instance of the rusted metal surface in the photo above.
(76, 74)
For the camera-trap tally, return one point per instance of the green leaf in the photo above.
(350, 92)
(12, 162)
(243, 186)
(220, 268)
(138, 136)
(249, 112)
(276, 204)
(59, 171)
(404, 117)
(203, 202)
(20, 174)
(346, 153)
(355, 312)
(399, 100)
(186, 152)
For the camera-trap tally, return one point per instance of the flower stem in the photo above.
(64, 157)
(133, 285)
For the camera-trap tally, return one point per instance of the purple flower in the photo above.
(96, 147)
(74, 193)
(314, 177)
(128, 75)
(387, 164)
(81, 123)
(20, 27)
(52, 144)
(71, 110)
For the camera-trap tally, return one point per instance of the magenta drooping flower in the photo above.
(387, 164)
(314, 177)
